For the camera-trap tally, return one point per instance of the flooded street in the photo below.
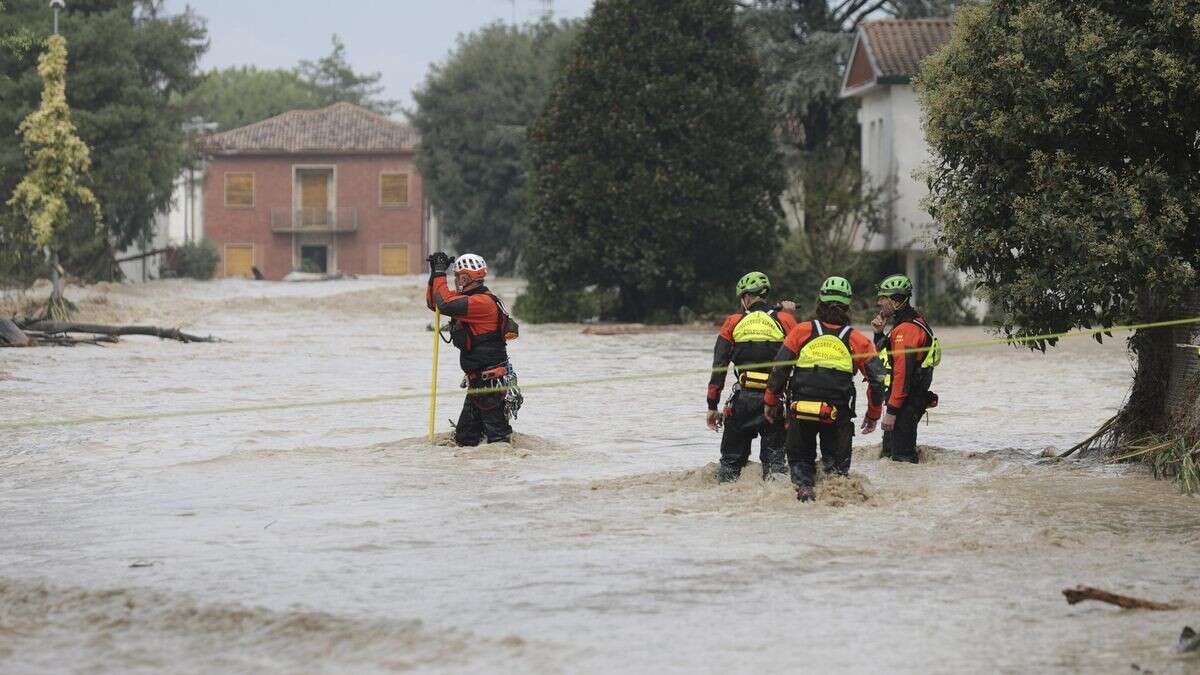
(336, 539)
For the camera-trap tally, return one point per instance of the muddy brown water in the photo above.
(336, 539)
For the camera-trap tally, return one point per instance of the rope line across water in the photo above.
(629, 377)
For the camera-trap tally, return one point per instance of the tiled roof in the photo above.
(342, 128)
(899, 45)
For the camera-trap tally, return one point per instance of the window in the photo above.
(393, 259)
(393, 189)
(239, 190)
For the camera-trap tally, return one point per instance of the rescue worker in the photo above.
(481, 328)
(817, 363)
(909, 352)
(751, 336)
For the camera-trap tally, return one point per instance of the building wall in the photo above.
(172, 227)
(875, 122)
(356, 186)
(910, 152)
(893, 150)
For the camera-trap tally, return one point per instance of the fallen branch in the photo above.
(1104, 429)
(11, 334)
(59, 340)
(1081, 593)
(59, 327)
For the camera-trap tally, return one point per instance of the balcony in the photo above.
(342, 220)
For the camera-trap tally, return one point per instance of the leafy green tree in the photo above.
(654, 169)
(1067, 170)
(333, 80)
(240, 95)
(129, 62)
(58, 167)
(472, 113)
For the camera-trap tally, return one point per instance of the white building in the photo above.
(182, 222)
(883, 61)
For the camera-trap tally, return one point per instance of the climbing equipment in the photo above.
(933, 353)
(814, 411)
(753, 380)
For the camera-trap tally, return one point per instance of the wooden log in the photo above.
(11, 334)
(1081, 593)
(139, 256)
(55, 327)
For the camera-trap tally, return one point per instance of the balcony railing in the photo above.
(342, 220)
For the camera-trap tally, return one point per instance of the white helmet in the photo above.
(469, 262)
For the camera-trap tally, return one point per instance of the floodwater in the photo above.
(336, 539)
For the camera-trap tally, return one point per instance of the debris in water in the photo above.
(844, 490)
(1189, 641)
(1081, 593)
(142, 563)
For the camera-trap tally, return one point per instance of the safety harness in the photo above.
(823, 377)
(933, 353)
(758, 333)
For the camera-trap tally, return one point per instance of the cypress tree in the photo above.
(654, 169)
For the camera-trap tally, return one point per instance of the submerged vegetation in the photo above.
(1169, 456)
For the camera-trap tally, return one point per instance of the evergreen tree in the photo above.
(654, 170)
(472, 113)
(1067, 170)
(332, 80)
(129, 63)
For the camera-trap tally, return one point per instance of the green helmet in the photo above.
(897, 284)
(754, 282)
(836, 289)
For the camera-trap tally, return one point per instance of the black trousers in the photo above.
(802, 437)
(741, 427)
(901, 442)
(482, 414)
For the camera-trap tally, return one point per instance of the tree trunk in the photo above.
(1145, 411)
(11, 334)
(57, 309)
(631, 308)
(56, 280)
(53, 327)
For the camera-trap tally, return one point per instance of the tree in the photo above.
(333, 80)
(472, 113)
(654, 171)
(59, 164)
(130, 61)
(1067, 172)
(240, 95)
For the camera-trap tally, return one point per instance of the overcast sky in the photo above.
(398, 38)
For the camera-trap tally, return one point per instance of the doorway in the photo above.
(314, 259)
(314, 197)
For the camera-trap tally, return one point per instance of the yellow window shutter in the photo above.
(239, 189)
(393, 259)
(393, 189)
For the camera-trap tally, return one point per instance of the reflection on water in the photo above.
(336, 539)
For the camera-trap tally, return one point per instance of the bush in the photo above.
(193, 260)
(539, 304)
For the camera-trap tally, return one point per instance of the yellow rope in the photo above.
(437, 341)
(31, 424)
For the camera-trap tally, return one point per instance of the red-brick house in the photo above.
(329, 190)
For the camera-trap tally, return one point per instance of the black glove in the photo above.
(439, 262)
